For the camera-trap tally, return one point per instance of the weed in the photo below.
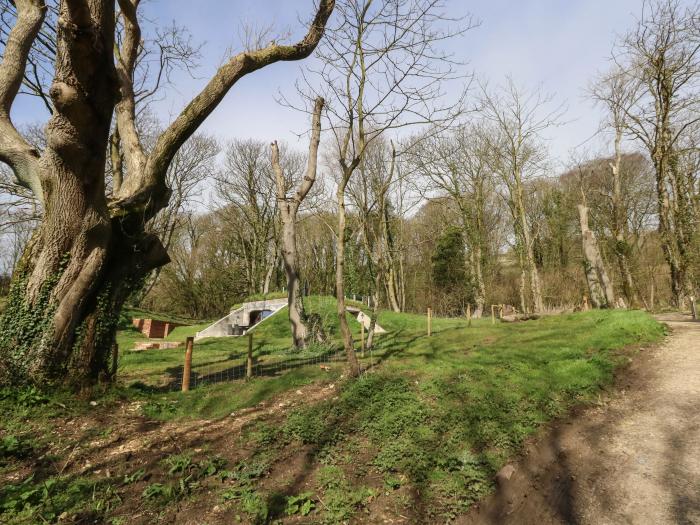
(12, 447)
(302, 504)
(340, 499)
(34, 500)
(134, 476)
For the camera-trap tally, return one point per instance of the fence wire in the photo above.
(265, 365)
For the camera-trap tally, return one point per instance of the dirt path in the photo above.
(633, 459)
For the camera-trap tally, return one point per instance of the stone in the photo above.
(505, 473)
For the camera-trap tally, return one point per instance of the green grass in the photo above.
(440, 413)
(426, 427)
(157, 369)
(444, 413)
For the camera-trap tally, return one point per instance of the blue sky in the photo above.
(559, 44)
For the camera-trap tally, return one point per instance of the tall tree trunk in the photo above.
(391, 289)
(289, 208)
(622, 247)
(294, 300)
(480, 298)
(668, 238)
(80, 265)
(523, 282)
(599, 285)
(374, 313)
(353, 365)
(533, 273)
(270, 271)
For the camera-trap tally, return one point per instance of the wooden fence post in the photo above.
(493, 314)
(469, 315)
(188, 365)
(249, 360)
(430, 321)
(693, 308)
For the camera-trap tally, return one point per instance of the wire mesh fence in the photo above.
(265, 363)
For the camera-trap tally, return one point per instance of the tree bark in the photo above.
(89, 253)
(348, 344)
(622, 247)
(599, 285)
(289, 208)
(291, 268)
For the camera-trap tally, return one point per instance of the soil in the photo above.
(634, 458)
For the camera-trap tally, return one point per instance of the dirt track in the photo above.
(634, 459)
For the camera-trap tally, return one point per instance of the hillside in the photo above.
(420, 435)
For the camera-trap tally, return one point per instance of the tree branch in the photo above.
(312, 161)
(145, 190)
(125, 110)
(14, 149)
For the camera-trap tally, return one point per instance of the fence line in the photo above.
(237, 369)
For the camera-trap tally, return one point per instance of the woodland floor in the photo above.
(417, 440)
(632, 459)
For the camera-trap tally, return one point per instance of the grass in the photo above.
(421, 433)
(157, 370)
(444, 413)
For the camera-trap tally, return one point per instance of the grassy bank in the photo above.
(420, 435)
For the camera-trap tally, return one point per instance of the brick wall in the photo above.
(152, 328)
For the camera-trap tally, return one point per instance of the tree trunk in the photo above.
(62, 314)
(289, 208)
(80, 265)
(622, 248)
(353, 365)
(375, 311)
(270, 271)
(523, 282)
(599, 285)
(289, 256)
(480, 292)
(533, 274)
(391, 290)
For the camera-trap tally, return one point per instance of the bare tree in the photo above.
(518, 118)
(289, 207)
(662, 57)
(369, 194)
(246, 186)
(456, 164)
(90, 249)
(616, 93)
(381, 69)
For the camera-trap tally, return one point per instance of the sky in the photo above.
(559, 45)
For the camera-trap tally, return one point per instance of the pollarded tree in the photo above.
(92, 249)
(289, 208)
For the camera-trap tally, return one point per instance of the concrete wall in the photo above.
(240, 317)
